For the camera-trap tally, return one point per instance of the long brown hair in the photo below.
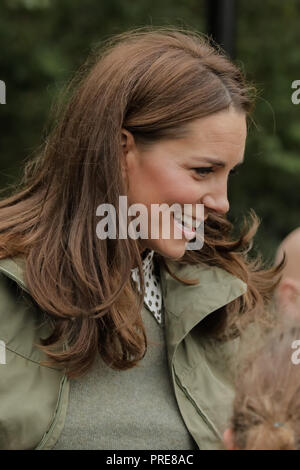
(152, 82)
(266, 411)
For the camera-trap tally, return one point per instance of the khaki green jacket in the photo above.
(34, 398)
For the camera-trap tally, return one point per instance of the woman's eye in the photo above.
(204, 170)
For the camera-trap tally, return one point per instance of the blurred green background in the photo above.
(43, 42)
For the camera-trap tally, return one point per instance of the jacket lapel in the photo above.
(14, 268)
(186, 306)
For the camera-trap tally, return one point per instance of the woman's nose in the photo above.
(218, 204)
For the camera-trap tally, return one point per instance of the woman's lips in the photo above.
(181, 229)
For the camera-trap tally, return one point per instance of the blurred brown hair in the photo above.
(151, 81)
(266, 412)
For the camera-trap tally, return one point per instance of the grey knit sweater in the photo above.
(132, 409)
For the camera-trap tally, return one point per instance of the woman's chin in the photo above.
(173, 249)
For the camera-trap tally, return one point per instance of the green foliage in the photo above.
(268, 48)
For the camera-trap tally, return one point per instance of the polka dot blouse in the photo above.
(153, 295)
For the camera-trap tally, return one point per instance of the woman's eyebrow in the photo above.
(216, 162)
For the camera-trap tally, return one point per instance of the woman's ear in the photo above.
(128, 152)
(288, 297)
(228, 438)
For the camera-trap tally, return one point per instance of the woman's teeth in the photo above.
(187, 221)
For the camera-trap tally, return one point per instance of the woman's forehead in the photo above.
(224, 125)
(212, 140)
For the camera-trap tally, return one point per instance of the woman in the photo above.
(158, 116)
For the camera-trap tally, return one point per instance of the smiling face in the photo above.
(190, 170)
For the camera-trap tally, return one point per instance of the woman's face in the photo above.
(190, 170)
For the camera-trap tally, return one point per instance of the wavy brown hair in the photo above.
(152, 82)
(266, 410)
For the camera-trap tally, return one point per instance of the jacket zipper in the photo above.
(205, 419)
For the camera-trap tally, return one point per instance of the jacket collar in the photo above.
(14, 268)
(186, 306)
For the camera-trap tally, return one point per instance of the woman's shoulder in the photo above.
(33, 396)
(22, 322)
